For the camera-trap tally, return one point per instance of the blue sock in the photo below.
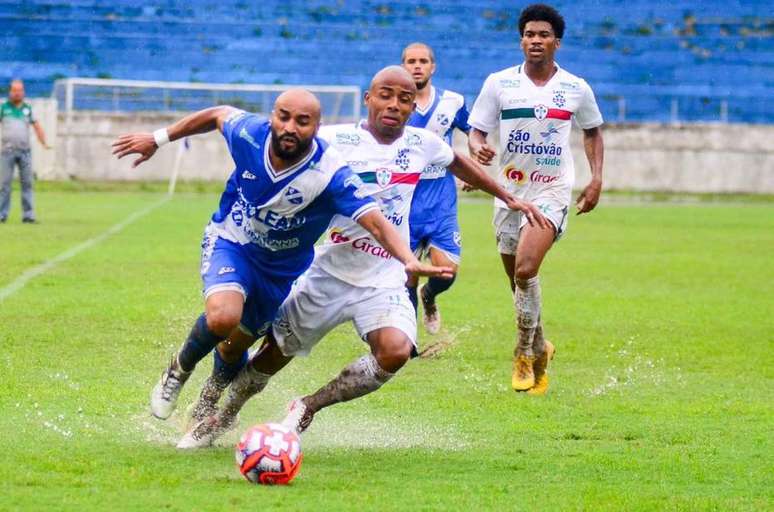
(199, 343)
(225, 371)
(435, 286)
(412, 291)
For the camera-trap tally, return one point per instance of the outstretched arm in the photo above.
(384, 233)
(595, 149)
(468, 171)
(146, 144)
(40, 134)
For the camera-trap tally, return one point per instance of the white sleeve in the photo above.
(486, 110)
(438, 151)
(588, 115)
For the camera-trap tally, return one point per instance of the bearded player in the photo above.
(532, 106)
(352, 277)
(286, 187)
(435, 231)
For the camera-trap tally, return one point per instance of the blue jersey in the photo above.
(436, 193)
(278, 216)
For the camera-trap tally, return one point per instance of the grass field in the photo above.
(662, 392)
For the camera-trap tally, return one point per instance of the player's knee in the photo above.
(230, 352)
(525, 269)
(222, 320)
(393, 354)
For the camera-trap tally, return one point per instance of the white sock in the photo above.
(359, 378)
(527, 302)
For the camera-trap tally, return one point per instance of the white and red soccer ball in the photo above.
(269, 454)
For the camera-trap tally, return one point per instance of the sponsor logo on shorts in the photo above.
(294, 196)
(559, 99)
(368, 246)
(457, 236)
(349, 139)
(541, 111)
(248, 175)
(226, 270)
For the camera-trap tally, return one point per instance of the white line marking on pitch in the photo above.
(19, 283)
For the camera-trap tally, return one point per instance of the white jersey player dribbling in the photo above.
(534, 126)
(352, 276)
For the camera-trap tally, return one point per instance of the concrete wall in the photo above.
(645, 157)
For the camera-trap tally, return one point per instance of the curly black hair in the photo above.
(542, 12)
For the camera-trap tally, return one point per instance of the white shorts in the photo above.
(508, 223)
(319, 302)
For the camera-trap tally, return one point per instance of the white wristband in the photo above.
(161, 137)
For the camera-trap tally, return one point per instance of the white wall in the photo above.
(644, 157)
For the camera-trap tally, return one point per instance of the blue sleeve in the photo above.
(233, 126)
(461, 119)
(346, 196)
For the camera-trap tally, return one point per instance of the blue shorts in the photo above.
(228, 266)
(442, 234)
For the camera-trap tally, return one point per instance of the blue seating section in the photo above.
(651, 59)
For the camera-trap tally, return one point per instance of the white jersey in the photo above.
(390, 173)
(534, 127)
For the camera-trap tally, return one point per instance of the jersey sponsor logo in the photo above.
(516, 101)
(550, 132)
(271, 244)
(236, 116)
(294, 196)
(570, 85)
(433, 172)
(536, 177)
(559, 99)
(402, 159)
(338, 238)
(226, 270)
(349, 139)
(249, 138)
(541, 111)
(357, 164)
(518, 142)
(248, 175)
(509, 83)
(368, 246)
(279, 222)
(514, 175)
(413, 139)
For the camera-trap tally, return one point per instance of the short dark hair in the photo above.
(542, 12)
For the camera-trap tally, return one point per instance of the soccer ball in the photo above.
(269, 454)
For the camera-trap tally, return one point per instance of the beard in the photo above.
(421, 85)
(301, 146)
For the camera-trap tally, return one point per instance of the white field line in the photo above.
(19, 283)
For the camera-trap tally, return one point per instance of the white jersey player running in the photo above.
(352, 277)
(532, 106)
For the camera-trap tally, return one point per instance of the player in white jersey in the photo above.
(352, 278)
(435, 231)
(532, 105)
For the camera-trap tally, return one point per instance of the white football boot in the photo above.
(164, 396)
(431, 316)
(299, 416)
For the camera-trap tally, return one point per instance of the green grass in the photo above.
(662, 392)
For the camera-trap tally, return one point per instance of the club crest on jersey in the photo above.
(402, 160)
(294, 196)
(442, 119)
(541, 111)
(383, 176)
(559, 100)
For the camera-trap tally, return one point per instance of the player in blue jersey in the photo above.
(286, 187)
(433, 220)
